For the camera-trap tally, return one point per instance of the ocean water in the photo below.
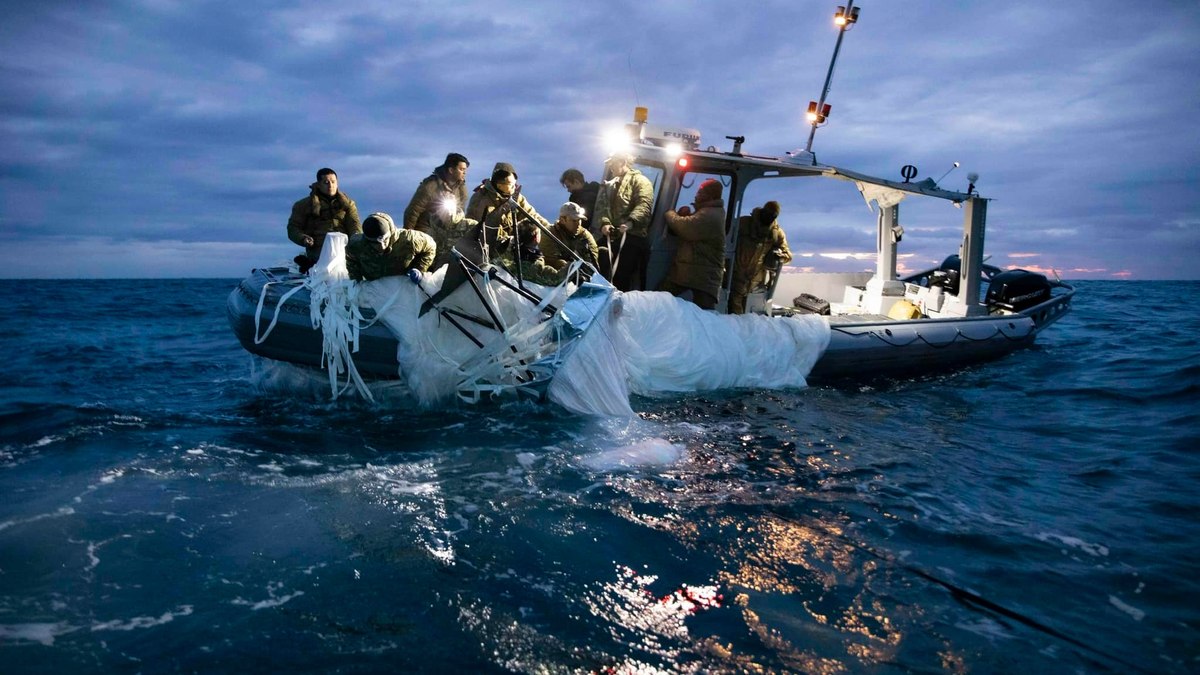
(169, 504)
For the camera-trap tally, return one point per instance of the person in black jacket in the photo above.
(582, 192)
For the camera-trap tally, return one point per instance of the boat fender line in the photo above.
(964, 595)
(918, 337)
(262, 296)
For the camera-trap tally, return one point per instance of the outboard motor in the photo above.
(946, 275)
(1016, 290)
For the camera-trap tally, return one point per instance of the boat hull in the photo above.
(293, 338)
(865, 350)
(860, 348)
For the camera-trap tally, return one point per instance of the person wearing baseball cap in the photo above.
(570, 239)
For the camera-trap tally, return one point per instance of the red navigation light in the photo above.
(817, 117)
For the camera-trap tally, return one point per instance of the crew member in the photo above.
(582, 192)
(699, 262)
(437, 208)
(382, 250)
(325, 210)
(495, 204)
(573, 239)
(529, 255)
(761, 246)
(623, 219)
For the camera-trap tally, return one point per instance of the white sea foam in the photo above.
(1132, 611)
(273, 599)
(1095, 550)
(62, 511)
(43, 633)
(648, 452)
(142, 621)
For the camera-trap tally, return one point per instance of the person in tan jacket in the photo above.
(699, 262)
(490, 206)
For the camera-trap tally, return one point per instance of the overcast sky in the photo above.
(158, 138)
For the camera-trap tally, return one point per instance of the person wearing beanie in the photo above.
(761, 247)
(699, 262)
(437, 208)
(323, 211)
(622, 220)
(382, 250)
(492, 205)
(570, 239)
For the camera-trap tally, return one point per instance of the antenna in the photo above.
(818, 111)
(939, 180)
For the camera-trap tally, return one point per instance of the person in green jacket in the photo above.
(761, 245)
(573, 239)
(533, 265)
(438, 207)
(622, 221)
(699, 262)
(325, 210)
(382, 250)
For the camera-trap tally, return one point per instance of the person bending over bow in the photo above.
(381, 250)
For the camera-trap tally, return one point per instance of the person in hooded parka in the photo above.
(761, 245)
(490, 206)
(382, 250)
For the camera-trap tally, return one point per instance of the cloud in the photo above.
(180, 124)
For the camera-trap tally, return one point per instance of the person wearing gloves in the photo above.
(699, 262)
(761, 245)
(492, 205)
(572, 239)
(382, 250)
(438, 206)
(622, 222)
(325, 210)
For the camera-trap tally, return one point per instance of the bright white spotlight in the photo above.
(616, 141)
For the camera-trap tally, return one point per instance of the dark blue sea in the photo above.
(166, 508)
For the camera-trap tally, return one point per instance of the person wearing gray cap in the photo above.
(570, 239)
(382, 250)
